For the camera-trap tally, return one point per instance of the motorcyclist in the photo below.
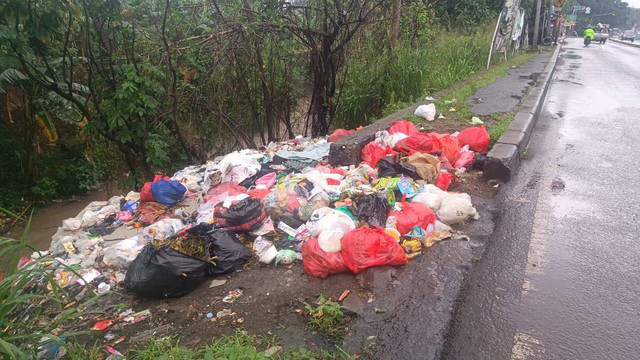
(589, 33)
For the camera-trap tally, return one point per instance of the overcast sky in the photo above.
(633, 3)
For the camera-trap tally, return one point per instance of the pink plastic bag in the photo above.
(465, 160)
(124, 216)
(319, 263)
(404, 127)
(373, 152)
(413, 214)
(476, 137)
(267, 180)
(365, 247)
(223, 192)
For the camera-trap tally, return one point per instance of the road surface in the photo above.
(561, 276)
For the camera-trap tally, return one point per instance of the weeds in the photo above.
(328, 318)
(31, 315)
(379, 84)
(498, 127)
(240, 346)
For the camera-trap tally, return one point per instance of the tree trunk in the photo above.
(395, 23)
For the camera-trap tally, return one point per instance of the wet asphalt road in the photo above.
(560, 278)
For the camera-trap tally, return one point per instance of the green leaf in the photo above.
(10, 77)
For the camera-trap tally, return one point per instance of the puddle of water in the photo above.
(46, 220)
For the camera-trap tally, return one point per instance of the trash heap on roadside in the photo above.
(277, 205)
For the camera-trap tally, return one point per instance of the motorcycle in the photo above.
(587, 41)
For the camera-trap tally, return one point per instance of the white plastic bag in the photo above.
(71, 224)
(163, 229)
(427, 112)
(265, 250)
(237, 167)
(431, 196)
(456, 208)
(329, 219)
(330, 240)
(123, 253)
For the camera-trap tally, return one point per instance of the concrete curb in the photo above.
(503, 160)
(625, 43)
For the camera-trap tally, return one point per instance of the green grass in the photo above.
(497, 128)
(382, 81)
(469, 87)
(240, 346)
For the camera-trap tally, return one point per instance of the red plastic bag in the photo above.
(365, 247)
(318, 263)
(413, 214)
(145, 192)
(465, 160)
(404, 127)
(339, 134)
(444, 180)
(418, 143)
(450, 148)
(476, 137)
(373, 152)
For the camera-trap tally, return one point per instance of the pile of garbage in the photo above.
(277, 205)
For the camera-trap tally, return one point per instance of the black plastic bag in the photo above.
(244, 215)
(164, 273)
(389, 168)
(230, 253)
(373, 209)
(239, 213)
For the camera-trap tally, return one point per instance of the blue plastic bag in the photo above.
(167, 193)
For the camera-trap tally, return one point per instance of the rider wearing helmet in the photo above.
(589, 33)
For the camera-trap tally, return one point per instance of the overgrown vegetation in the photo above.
(33, 306)
(143, 86)
(327, 317)
(240, 346)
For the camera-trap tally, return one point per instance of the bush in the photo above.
(376, 81)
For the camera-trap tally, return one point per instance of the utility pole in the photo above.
(536, 27)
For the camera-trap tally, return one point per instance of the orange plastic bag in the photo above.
(404, 127)
(365, 247)
(373, 152)
(476, 137)
(319, 263)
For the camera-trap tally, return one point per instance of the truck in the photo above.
(601, 33)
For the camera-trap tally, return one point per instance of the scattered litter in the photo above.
(217, 282)
(232, 296)
(102, 325)
(476, 121)
(272, 351)
(427, 112)
(344, 295)
(209, 315)
(223, 313)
